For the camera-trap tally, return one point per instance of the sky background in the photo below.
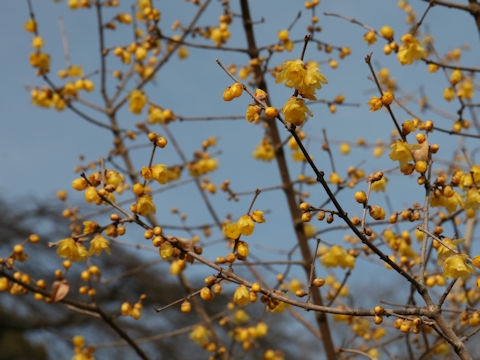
(39, 148)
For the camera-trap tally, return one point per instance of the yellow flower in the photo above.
(240, 317)
(277, 306)
(98, 244)
(337, 256)
(309, 230)
(89, 227)
(264, 151)
(246, 225)
(69, 248)
(253, 114)
(411, 50)
(449, 94)
(452, 202)
(466, 90)
(137, 101)
(387, 98)
(401, 152)
(241, 296)
(292, 73)
(160, 173)
(114, 178)
(305, 78)
(380, 184)
(231, 230)
(257, 216)
(166, 250)
(177, 266)
(473, 199)
(200, 334)
(30, 25)
(295, 285)
(203, 166)
(312, 80)
(283, 35)
(91, 195)
(370, 38)
(145, 205)
(375, 103)
(455, 267)
(444, 252)
(295, 111)
(377, 212)
(345, 148)
(75, 70)
(41, 61)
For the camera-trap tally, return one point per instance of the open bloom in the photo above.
(295, 111)
(402, 152)
(375, 103)
(69, 248)
(246, 225)
(231, 230)
(200, 334)
(305, 78)
(98, 244)
(338, 256)
(145, 205)
(411, 50)
(455, 267)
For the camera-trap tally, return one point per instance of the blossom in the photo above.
(203, 166)
(41, 61)
(69, 248)
(89, 227)
(455, 267)
(241, 296)
(91, 195)
(264, 151)
(375, 103)
(380, 184)
(411, 50)
(370, 37)
(472, 200)
(160, 173)
(166, 250)
(304, 78)
(231, 230)
(246, 225)
(295, 111)
(253, 113)
(145, 205)
(114, 178)
(137, 101)
(240, 317)
(466, 90)
(200, 334)
(257, 216)
(377, 212)
(312, 80)
(98, 244)
(337, 256)
(402, 152)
